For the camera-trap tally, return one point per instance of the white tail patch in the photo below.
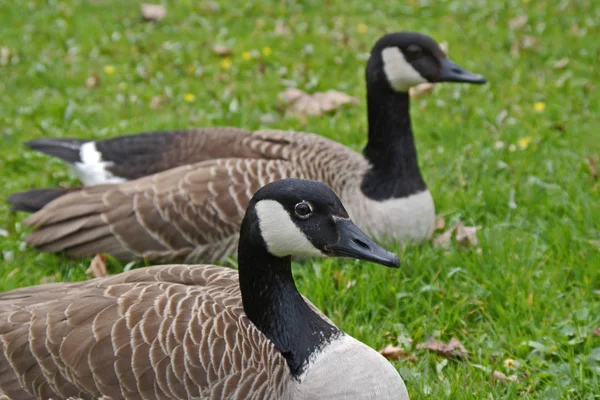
(91, 170)
(400, 74)
(280, 233)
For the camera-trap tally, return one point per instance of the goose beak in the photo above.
(356, 244)
(452, 72)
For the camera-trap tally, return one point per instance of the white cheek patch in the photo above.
(91, 170)
(282, 236)
(400, 74)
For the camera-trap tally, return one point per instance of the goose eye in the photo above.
(303, 210)
(414, 49)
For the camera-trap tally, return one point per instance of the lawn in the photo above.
(517, 157)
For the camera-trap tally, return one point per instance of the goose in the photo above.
(203, 331)
(190, 188)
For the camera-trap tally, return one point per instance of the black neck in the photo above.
(272, 302)
(391, 149)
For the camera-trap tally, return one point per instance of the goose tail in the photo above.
(68, 150)
(34, 200)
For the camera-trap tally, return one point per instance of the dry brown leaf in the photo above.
(527, 42)
(518, 22)
(4, 55)
(301, 103)
(592, 163)
(97, 268)
(596, 331)
(221, 50)
(440, 222)
(281, 29)
(392, 352)
(92, 81)
(561, 64)
(444, 239)
(157, 101)
(453, 349)
(466, 235)
(421, 89)
(153, 12)
(500, 377)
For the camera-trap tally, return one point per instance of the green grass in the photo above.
(530, 292)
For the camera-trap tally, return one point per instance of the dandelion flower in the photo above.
(246, 56)
(539, 106)
(109, 70)
(189, 97)
(509, 364)
(266, 51)
(362, 28)
(524, 142)
(226, 63)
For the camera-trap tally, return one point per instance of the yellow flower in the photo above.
(266, 51)
(246, 55)
(539, 106)
(362, 28)
(509, 363)
(524, 142)
(189, 97)
(226, 63)
(109, 70)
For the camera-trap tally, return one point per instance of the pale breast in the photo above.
(404, 219)
(349, 369)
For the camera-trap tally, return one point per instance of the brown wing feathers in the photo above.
(160, 332)
(189, 213)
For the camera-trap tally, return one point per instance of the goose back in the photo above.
(193, 212)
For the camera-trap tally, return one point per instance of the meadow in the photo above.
(517, 158)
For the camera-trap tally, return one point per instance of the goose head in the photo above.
(303, 218)
(401, 60)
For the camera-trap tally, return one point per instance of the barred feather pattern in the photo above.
(191, 213)
(164, 332)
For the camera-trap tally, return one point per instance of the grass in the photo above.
(530, 291)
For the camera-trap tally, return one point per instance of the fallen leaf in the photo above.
(221, 50)
(97, 268)
(92, 81)
(153, 12)
(302, 103)
(281, 28)
(440, 223)
(596, 331)
(157, 101)
(500, 377)
(466, 235)
(421, 89)
(561, 64)
(592, 163)
(444, 239)
(392, 352)
(4, 55)
(527, 42)
(518, 22)
(453, 349)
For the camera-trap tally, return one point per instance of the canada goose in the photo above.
(192, 212)
(202, 331)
